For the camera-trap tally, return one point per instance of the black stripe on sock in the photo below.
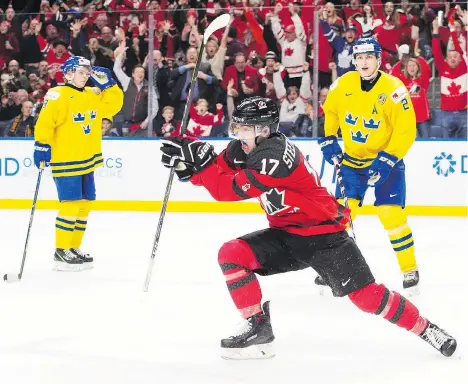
(399, 312)
(240, 283)
(384, 302)
(229, 266)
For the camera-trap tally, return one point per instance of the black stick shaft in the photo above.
(31, 218)
(183, 128)
(343, 192)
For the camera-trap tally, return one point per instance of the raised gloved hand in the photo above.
(195, 154)
(380, 168)
(330, 148)
(42, 155)
(102, 77)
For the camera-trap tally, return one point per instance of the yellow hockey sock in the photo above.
(394, 221)
(80, 225)
(65, 223)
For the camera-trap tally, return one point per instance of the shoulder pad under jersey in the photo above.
(276, 157)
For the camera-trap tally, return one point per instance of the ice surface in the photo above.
(97, 326)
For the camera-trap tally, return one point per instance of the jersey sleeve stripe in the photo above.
(239, 191)
(257, 184)
(227, 161)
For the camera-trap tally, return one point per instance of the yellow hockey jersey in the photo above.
(70, 122)
(382, 119)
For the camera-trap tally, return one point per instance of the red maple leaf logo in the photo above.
(454, 88)
(288, 52)
(197, 131)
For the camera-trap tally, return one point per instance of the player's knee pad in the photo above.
(69, 208)
(353, 205)
(369, 298)
(391, 216)
(237, 254)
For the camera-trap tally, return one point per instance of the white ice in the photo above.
(98, 326)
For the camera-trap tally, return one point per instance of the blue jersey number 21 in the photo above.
(405, 103)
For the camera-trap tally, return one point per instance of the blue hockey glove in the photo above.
(196, 154)
(380, 168)
(330, 148)
(42, 155)
(102, 78)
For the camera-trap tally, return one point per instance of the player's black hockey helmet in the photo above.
(256, 111)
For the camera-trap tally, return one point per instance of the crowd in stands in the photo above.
(267, 49)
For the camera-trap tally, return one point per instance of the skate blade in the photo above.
(64, 267)
(258, 351)
(412, 291)
(88, 265)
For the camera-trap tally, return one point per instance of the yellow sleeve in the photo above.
(330, 109)
(402, 118)
(111, 101)
(50, 117)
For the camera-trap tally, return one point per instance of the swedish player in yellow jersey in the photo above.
(378, 126)
(68, 138)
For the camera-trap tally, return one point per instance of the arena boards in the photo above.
(132, 179)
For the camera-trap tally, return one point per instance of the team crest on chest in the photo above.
(358, 137)
(382, 98)
(350, 119)
(371, 123)
(78, 117)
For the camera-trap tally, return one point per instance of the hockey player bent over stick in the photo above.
(68, 138)
(378, 124)
(307, 228)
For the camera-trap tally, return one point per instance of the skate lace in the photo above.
(79, 252)
(68, 255)
(244, 328)
(436, 337)
(410, 276)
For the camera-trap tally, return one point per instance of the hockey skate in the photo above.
(439, 339)
(87, 259)
(253, 340)
(411, 283)
(65, 260)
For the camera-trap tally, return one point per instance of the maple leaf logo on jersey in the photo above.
(454, 88)
(273, 201)
(288, 52)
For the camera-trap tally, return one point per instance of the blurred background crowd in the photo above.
(289, 51)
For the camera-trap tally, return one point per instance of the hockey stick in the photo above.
(13, 277)
(218, 23)
(343, 192)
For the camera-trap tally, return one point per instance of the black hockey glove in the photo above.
(195, 154)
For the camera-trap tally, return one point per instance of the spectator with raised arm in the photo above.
(243, 78)
(293, 42)
(205, 87)
(136, 96)
(453, 72)
(292, 98)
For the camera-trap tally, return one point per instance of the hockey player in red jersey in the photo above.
(307, 228)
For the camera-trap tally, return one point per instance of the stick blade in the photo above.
(218, 23)
(11, 278)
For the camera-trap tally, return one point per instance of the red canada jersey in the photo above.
(278, 175)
